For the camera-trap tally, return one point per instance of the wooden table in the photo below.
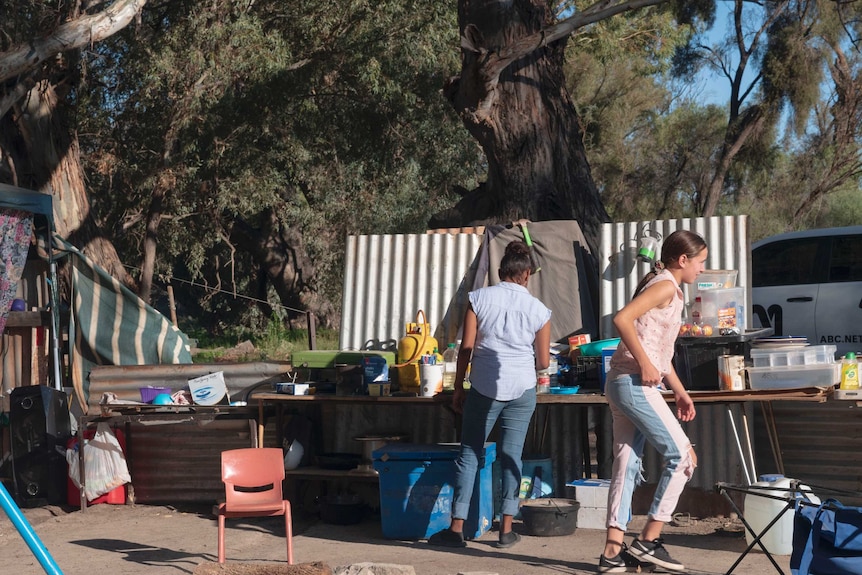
(764, 397)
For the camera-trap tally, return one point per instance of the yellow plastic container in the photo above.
(411, 348)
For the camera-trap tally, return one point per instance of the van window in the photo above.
(789, 262)
(846, 262)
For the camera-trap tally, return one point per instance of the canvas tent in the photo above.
(566, 282)
(23, 212)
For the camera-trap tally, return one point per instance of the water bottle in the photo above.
(543, 381)
(696, 311)
(450, 365)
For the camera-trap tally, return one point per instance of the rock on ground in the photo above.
(261, 569)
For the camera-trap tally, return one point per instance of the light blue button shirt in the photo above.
(504, 362)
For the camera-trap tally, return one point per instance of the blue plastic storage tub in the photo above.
(417, 487)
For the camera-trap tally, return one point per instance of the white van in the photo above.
(809, 284)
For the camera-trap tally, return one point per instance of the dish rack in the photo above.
(586, 371)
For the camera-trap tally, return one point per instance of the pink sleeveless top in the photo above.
(657, 331)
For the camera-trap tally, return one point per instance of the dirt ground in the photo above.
(137, 539)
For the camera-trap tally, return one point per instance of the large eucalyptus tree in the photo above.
(40, 44)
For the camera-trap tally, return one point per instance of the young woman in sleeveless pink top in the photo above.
(648, 327)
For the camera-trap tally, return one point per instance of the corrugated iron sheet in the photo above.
(820, 444)
(125, 381)
(620, 271)
(389, 278)
(182, 462)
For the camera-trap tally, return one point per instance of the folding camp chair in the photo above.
(796, 497)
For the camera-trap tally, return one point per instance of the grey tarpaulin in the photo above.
(567, 283)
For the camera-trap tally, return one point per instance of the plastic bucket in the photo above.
(537, 477)
(761, 510)
(430, 379)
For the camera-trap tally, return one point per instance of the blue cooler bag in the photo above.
(827, 539)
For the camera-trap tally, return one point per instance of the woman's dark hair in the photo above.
(679, 243)
(515, 261)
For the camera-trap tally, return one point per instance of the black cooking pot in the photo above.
(548, 517)
(341, 509)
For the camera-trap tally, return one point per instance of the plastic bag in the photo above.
(105, 465)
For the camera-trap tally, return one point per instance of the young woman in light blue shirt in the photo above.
(507, 334)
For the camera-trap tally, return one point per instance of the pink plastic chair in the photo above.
(252, 479)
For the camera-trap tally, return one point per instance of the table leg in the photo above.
(130, 490)
(604, 441)
(261, 423)
(82, 426)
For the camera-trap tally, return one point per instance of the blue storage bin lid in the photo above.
(425, 451)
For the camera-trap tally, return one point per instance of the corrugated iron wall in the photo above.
(125, 381)
(820, 444)
(620, 271)
(181, 462)
(389, 278)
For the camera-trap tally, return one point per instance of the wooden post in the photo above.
(312, 331)
(172, 305)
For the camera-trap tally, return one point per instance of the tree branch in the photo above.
(72, 35)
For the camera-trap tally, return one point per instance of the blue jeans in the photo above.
(641, 414)
(480, 415)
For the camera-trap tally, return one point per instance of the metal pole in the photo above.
(312, 331)
(26, 531)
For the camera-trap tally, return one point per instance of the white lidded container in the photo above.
(760, 510)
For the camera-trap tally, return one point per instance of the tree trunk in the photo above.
(523, 118)
(39, 149)
(51, 159)
(280, 253)
(148, 261)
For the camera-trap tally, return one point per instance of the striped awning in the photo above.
(110, 325)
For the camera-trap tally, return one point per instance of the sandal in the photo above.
(447, 538)
(507, 540)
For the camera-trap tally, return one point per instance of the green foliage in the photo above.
(330, 117)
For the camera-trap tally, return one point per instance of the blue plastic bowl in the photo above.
(162, 399)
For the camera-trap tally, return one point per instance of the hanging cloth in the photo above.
(16, 228)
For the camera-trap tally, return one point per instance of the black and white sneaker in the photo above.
(623, 562)
(655, 553)
(612, 564)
